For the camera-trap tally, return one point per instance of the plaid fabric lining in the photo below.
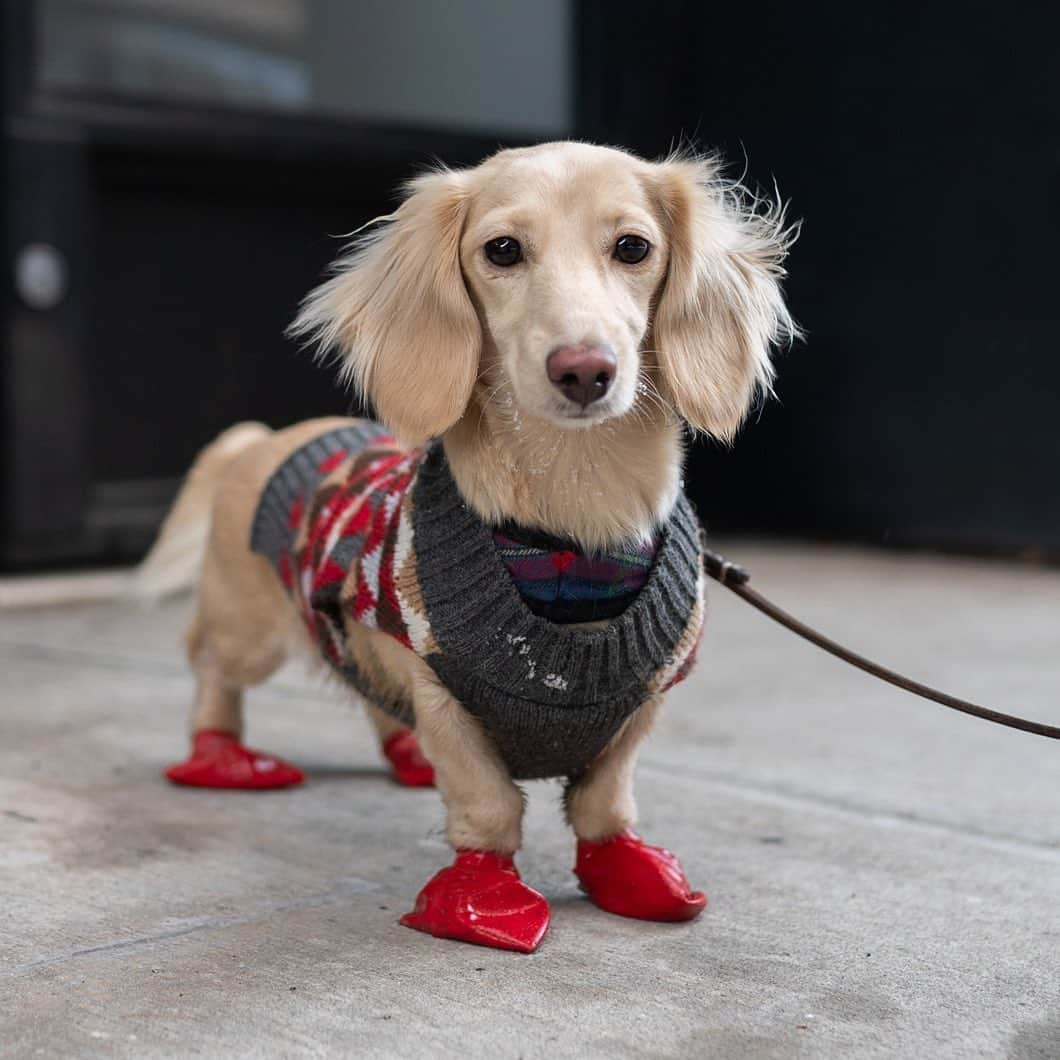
(562, 584)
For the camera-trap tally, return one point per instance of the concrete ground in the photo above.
(884, 874)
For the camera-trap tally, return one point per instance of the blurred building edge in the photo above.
(176, 173)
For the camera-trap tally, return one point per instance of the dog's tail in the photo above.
(175, 560)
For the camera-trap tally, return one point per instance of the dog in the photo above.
(503, 565)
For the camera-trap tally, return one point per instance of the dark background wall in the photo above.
(918, 143)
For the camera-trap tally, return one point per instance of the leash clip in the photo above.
(720, 569)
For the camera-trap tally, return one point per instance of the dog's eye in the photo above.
(632, 249)
(504, 251)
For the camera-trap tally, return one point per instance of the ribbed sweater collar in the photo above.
(476, 613)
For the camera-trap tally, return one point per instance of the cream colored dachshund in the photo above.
(503, 565)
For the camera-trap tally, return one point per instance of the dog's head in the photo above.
(569, 281)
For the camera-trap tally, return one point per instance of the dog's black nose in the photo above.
(581, 373)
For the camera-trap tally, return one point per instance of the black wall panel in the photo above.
(920, 143)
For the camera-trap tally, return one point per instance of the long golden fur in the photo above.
(446, 345)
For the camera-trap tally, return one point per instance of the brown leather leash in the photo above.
(736, 578)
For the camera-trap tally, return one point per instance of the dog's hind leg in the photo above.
(239, 636)
(244, 623)
(616, 868)
(382, 663)
(399, 745)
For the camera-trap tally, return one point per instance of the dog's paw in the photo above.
(624, 875)
(407, 764)
(481, 899)
(219, 760)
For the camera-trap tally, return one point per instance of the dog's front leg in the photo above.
(616, 868)
(480, 897)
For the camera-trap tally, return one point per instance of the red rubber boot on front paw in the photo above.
(481, 899)
(219, 760)
(626, 876)
(407, 764)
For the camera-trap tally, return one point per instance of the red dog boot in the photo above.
(626, 876)
(481, 899)
(407, 764)
(219, 760)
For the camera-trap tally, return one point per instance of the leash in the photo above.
(736, 578)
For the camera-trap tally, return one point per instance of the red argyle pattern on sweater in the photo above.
(346, 545)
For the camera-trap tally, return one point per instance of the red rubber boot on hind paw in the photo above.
(219, 760)
(624, 875)
(481, 899)
(407, 764)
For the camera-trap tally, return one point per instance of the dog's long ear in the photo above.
(720, 308)
(398, 314)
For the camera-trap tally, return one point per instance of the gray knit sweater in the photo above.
(362, 531)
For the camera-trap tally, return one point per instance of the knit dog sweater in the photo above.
(362, 531)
